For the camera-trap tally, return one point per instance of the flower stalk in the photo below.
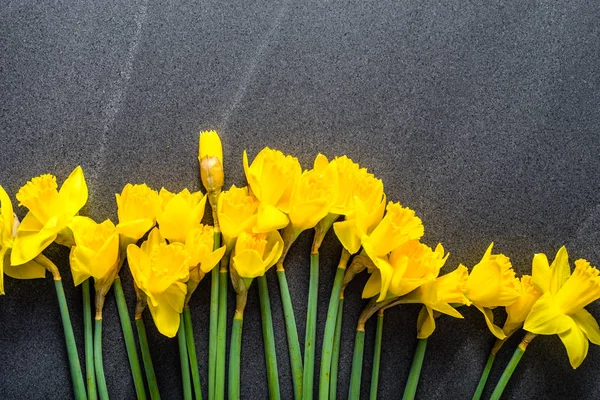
(184, 360)
(88, 341)
(376, 356)
(512, 365)
(268, 338)
(415, 370)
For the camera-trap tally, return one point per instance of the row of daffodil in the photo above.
(257, 225)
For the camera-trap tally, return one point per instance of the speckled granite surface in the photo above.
(482, 116)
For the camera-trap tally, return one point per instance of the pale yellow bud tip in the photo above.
(210, 146)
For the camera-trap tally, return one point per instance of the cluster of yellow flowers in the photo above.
(259, 223)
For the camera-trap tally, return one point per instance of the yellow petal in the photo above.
(165, 318)
(74, 192)
(425, 323)
(373, 285)
(347, 235)
(387, 272)
(6, 217)
(210, 145)
(576, 344)
(212, 259)
(81, 260)
(541, 273)
(588, 324)
(489, 320)
(28, 245)
(136, 228)
(560, 270)
(546, 318)
(29, 270)
(269, 219)
(249, 264)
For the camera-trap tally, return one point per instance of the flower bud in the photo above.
(210, 155)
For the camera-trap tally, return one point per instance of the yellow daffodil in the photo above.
(347, 173)
(519, 310)
(179, 213)
(492, 283)
(95, 253)
(271, 177)
(364, 212)
(560, 310)
(408, 266)
(137, 206)
(160, 270)
(255, 253)
(210, 155)
(50, 213)
(199, 244)
(313, 195)
(8, 230)
(439, 296)
(237, 210)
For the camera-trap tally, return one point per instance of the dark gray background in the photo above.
(482, 117)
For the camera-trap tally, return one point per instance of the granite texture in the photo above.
(482, 116)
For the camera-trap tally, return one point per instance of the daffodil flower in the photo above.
(8, 230)
(255, 253)
(237, 210)
(199, 244)
(364, 212)
(50, 213)
(137, 207)
(313, 195)
(95, 253)
(160, 270)
(271, 177)
(439, 296)
(407, 267)
(397, 227)
(179, 213)
(492, 283)
(560, 310)
(518, 311)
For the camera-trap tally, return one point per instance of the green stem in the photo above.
(183, 360)
(357, 359)
(214, 319)
(510, 368)
(147, 359)
(74, 366)
(484, 377)
(191, 349)
(292, 335)
(329, 335)
(376, 356)
(415, 370)
(134, 361)
(221, 336)
(235, 350)
(268, 338)
(100, 379)
(311, 329)
(335, 352)
(89, 341)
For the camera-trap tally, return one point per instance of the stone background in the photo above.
(482, 116)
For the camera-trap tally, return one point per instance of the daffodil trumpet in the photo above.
(330, 327)
(144, 347)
